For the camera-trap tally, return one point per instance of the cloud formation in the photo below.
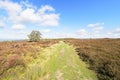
(96, 28)
(91, 31)
(18, 27)
(115, 32)
(45, 30)
(63, 35)
(23, 13)
(2, 24)
(82, 32)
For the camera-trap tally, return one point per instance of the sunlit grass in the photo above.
(58, 62)
(64, 63)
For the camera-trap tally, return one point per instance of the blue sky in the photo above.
(60, 18)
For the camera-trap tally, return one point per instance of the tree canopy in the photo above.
(34, 36)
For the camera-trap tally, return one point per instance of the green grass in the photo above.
(58, 62)
(64, 64)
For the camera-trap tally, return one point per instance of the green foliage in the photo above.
(33, 72)
(34, 36)
(13, 73)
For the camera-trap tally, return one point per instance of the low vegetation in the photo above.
(48, 60)
(64, 64)
(103, 56)
(57, 62)
(17, 54)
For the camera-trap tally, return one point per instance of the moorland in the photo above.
(60, 59)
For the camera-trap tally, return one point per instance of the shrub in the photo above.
(15, 60)
(102, 55)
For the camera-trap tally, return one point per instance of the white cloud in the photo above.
(82, 32)
(22, 32)
(18, 27)
(26, 13)
(45, 30)
(46, 8)
(96, 28)
(27, 16)
(49, 20)
(63, 35)
(2, 24)
(115, 32)
(11, 8)
(94, 32)
(95, 25)
(25, 3)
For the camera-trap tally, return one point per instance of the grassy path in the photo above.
(64, 64)
(58, 62)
